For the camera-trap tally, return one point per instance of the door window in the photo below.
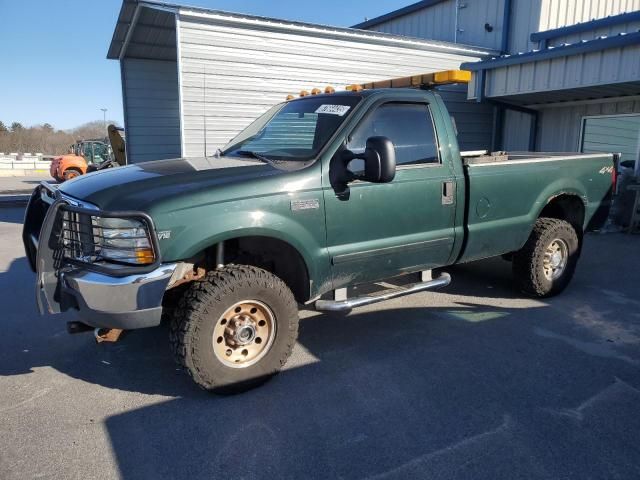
(408, 125)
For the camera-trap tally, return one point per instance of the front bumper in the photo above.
(128, 302)
(102, 300)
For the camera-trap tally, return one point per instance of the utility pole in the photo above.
(104, 119)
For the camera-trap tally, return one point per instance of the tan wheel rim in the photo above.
(555, 259)
(244, 334)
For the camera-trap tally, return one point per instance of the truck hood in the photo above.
(136, 186)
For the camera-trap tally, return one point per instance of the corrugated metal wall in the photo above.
(437, 22)
(474, 121)
(232, 73)
(152, 115)
(530, 16)
(516, 131)
(527, 16)
(473, 16)
(559, 127)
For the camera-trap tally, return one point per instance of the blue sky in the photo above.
(53, 65)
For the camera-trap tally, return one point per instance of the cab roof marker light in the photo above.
(354, 88)
(452, 76)
(290, 97)
(419, 81)
(316, 91)
(329, 89)
(304, 93)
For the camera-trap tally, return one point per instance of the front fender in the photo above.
(196, 229)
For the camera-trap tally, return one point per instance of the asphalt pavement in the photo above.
(15, 191)
(475, 382)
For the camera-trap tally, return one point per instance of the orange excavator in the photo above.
(87, 156)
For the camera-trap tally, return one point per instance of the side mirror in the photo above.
(379, 160)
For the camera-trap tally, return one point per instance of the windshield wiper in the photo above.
(257, 156)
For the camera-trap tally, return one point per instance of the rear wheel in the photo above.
(71, 173)
(234, 329)
(546, 264)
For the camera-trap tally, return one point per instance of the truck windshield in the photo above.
(293, 131)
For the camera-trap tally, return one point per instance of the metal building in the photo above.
(569, 75)
(192, 78)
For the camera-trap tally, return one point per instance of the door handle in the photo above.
(448, 192)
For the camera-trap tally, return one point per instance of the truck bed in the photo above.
(507, 191)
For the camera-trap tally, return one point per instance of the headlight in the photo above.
(123, 240)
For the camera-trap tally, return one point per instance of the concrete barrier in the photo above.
(19, 168)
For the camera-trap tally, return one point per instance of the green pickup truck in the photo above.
(321, 193)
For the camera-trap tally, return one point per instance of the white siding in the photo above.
(152, 117)
(233, 70)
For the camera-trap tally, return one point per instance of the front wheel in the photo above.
(234, 329)
(546, 264)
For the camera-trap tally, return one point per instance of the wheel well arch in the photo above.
(566, 206)
(269, 253)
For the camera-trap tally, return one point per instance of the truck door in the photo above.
(380, 230)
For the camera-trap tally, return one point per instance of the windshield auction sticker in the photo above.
(339, 110)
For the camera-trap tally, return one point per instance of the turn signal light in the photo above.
(145, 256)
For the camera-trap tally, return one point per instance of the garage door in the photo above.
(616, 133)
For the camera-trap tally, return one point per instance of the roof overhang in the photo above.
(588, 69)
(582, 27)
(132, 12)
(144, 30)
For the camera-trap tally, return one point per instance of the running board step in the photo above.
(344, 305)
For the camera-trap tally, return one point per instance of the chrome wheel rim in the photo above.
(244, 334)
(555, 259)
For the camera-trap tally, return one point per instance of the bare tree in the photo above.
(45, 139)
